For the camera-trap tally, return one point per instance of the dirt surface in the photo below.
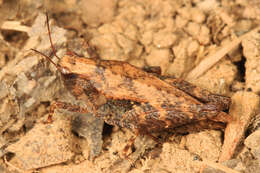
(212, 44)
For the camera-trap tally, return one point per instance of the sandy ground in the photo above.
(212, 44)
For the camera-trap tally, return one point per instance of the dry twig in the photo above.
(218, 166)
(14, 25)
(212, 59)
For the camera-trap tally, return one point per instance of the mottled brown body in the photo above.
(129, 97)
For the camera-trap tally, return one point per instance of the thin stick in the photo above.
(49, 32)
(210, 60)
(12, 166)
(217, 166)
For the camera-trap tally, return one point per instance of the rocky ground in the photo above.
(212, 44)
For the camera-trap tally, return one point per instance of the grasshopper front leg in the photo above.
(67, 106)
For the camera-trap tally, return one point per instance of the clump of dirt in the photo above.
(211, 44)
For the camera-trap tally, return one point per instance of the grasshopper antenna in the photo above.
(53, 49)
(49, 32)
(58, 67)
